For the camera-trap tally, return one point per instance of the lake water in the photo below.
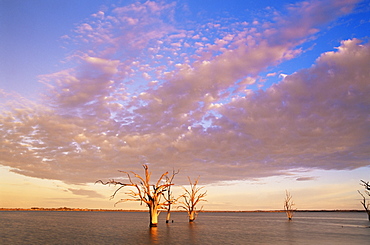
(47, 227)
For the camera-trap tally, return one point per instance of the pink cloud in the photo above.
(306, 17)
(100, 115)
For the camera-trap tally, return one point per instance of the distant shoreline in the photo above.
(175, 211)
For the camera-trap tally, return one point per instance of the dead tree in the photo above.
(152, 195)
(170, 199)
(191, 198)
(288, 205)
(365, 203)
(367, 186)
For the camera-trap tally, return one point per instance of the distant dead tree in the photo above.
(365, 203)
(367, 186)
(288, 205)
(191, 198)
(170, 199)
(144, 192)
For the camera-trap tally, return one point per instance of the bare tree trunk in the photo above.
(153, 211)
(368, 215)
(192, 215)
(289, 214)
(169, 195)
(168, 217)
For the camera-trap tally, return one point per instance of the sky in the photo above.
(252, 97)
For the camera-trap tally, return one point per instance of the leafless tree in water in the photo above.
(191, 198)
(153, 195)
(288, 205)
(365, 203)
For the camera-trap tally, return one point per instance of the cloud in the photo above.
(305, 178)
(200, 115)
(315, 118)
(308, 17)
(87, 193)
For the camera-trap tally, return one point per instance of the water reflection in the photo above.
(192, 232)
(289, 234)
(188, 232)
(153, 235)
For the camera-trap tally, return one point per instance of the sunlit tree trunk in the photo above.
(192, 216)
(154, 213)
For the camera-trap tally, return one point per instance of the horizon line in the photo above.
(175, 211)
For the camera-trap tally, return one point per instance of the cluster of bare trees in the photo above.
(158, 196)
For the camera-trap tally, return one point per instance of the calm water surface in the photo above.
(44, 227)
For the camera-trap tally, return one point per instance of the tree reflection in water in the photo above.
(192, 232)
(153, 235)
